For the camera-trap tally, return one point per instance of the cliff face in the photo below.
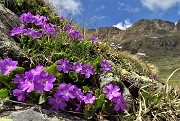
(8, 45)
(153, 37)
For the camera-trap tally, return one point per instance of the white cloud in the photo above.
(123, 25)
(101, 17)
(66, 7)
(128, 8)
(159, 5)
(100, 8)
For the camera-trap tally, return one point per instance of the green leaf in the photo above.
(88, 114)
(53, 70)
(19, 70)
(100, 100)
(73, 74)
(5, 80)
(98, 92)
(86, 89)
(45, 9)
(3, 93)
(42, 98)
(3, 77)
(108, 107)
(98, 59)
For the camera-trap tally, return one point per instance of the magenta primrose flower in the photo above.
(32, 33)
(19, 78)
(20, 94)
(35, 34)
(94, 39)
(89, 99)
(27, 17)
(79, 107)
(44, 82)
(66, 91)
(105, 65)
(64, 65)
(27, 31)
(77, 66)
(7, 65)
(111, 91)
(57, 102)
(78, 94)
(73, 34)
(119, 103)
(17, 30)
(87, 70)
(39, 20)
(38, 70)
(154, 77)
(48, 28)
(28, 84)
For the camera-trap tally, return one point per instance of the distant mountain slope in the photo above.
(153, 37)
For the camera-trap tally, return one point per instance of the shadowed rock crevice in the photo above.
(8, 46)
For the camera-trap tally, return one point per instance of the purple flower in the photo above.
(111, 91)
(78, 94)
(89, 99)
(20, 94)
(7, 65)
(79, 107)
(39, 20)
(48, 28)
(94, 39)
(38, 70)
(77, 66)
(32, 33)
(68, 28)
(57, 103)
(18, 78)
(17, 31)
(105, 65)
(44, 82)
(87, 70)
(35, 34)
(61, 17)
(64, 65)
(119, 103)
(154, 77)
(142, 73)
(28, 84)
(27, 17)
(27, 31)
(66, 91)
(73, 34)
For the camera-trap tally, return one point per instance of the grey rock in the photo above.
(106, 79)
(39, 114)
(8, 45)
(29, 115)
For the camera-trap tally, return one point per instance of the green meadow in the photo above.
(166, 66)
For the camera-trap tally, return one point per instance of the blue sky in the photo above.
(119, 13)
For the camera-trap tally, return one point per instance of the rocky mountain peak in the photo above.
(153, 37)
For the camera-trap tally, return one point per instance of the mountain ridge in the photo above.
(154, 37)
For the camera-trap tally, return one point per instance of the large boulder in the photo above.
(8, 45)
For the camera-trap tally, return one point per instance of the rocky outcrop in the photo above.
(39, 114)
(8, 46)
